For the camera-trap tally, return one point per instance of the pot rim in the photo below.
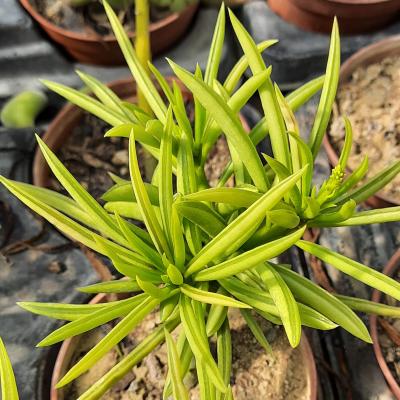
(67, 349)
(365, 56)
(390, 267)
(91, 38)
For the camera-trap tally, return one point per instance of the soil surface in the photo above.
(89, 156)
(371, 100)
(389, 337)
(91, 18)
(256, 375)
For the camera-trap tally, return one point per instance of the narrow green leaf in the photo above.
(303, 93)
(322, 301)
(369, 307)
(273, 114)
(216, 47)
(141, 135)
(243, 227)
(250, 259)
(88, 103)
(216, 317)
(118, 286)
(139, 73)
(348, 141)
(356, 176)
(204, 296)
(228, 121)
(224, 354)
(337, 215)
(328, 93)
(7, 379)
(144, 203)
(284, 301)
(93, 320)
(353, 268)
(168, 306)
(133, 358)
(122, 329)
(199, 346)
(206, 389)
(390, 214)
(124, 192)
(256, 330)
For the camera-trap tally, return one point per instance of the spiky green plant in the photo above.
(207, 249)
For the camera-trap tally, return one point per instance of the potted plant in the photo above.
(206, 250)
(81, 26)
(367, 95)
(355, 16)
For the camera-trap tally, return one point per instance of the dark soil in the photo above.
(91, 18)
(371, 101)
(256, 375)
(89, 156)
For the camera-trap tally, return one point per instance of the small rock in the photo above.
(121, 157)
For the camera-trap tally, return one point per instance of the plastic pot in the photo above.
(355, 16)
(389, 270)
(104, 50)
(364, 57)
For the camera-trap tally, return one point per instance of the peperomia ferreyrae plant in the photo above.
(205, 249)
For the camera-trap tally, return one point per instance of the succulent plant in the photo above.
(206, 249)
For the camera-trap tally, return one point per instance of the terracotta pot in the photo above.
(355, 16)
(366, 56)
(69, 346)
(389, 270)
(104, 50)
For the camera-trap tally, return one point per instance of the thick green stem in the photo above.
(142, 43)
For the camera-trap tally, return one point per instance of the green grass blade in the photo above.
(353, 268)
(118, 286)
(175, 369)
(144, 203)
(273, 114)
(238, 231)
(284, 301)
(139, 73)
(369, 307)
(256, 330)
(7, 379)
(241, 65)
(309, 293)
(122, 329)
(228, 121)
(216, 47)
(250, 259)
(88, 103)
(200, 348)
(91, 321)
(328, 93)
(204, 296)
(133, 358)
(224, 354)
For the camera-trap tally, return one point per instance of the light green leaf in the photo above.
(7, 379)
(144, 203)
(229, 123)
(353, 268)
(322, 301)
(124, 192)
(328, 93)
(369, 307)
(335, 215)
(141, 135)
(133, 358)
(284, 301)
(379, 216)
(279, 140)
(243, 227)
(348, 141)
(122, 329)
(256, 330)
(139, 73)
(118, 286)
(216, 316)
(200, 348)
(88, 103)
(224, 354)
(250, 259)
(204, 296)
(175, 369)
(93, 320)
